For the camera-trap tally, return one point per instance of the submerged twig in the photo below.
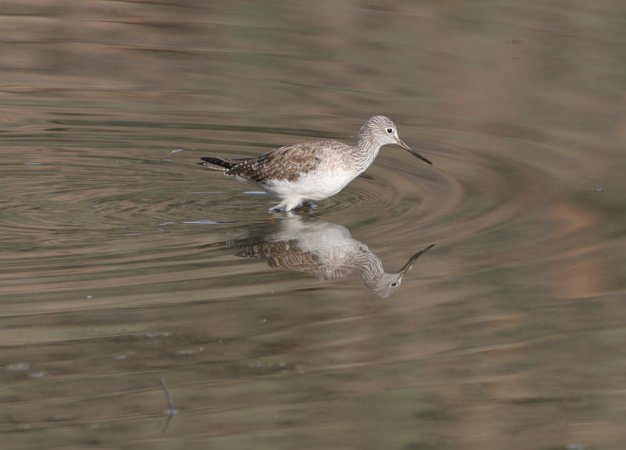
(171, 411)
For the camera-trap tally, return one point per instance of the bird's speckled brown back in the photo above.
(286, 163)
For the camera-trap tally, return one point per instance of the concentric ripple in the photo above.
(88, 221)
(64, 191)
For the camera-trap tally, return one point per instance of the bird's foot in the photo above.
(304, 206)
(276, 209)
(285, 206)
(308, 205)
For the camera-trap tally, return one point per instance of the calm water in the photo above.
(123, 263)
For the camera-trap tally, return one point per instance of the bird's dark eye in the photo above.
(389, 130)
(394, 284)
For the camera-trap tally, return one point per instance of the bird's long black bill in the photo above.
(402, 144)
(409, 265)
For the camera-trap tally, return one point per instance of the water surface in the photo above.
(123, 263)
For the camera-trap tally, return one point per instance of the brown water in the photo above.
(123, 263)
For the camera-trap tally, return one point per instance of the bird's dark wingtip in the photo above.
(215, 163)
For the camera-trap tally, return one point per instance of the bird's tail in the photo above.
(216, 163)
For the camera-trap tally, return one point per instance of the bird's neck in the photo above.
(367, 152)
(369, 266)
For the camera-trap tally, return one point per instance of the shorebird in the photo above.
(313, 170)
(323, 249)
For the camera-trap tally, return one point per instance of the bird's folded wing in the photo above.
(284, 163)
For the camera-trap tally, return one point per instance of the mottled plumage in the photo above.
(313, 170)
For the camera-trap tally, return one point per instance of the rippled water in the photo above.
(124, 263)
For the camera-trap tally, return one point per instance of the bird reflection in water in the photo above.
(324, 249)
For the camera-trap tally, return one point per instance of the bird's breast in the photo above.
(313, 185)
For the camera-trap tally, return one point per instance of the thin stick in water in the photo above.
(170, 406)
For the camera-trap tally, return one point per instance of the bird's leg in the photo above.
(278, 208)
(286, 205)
(283, 206)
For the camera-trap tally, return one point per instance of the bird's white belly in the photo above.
(315, 185)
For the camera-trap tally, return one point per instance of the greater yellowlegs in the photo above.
(313, 170)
